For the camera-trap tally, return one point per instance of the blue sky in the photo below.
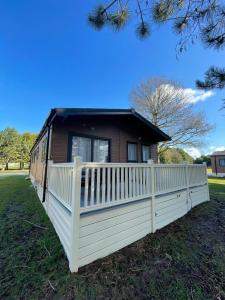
(50, 57)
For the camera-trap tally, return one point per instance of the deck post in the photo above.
(189, 200)
(152, 182)
(75, 215)
(207, 185)
(50, 163)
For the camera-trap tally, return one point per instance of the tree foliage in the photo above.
(166, 105)
(214, 79)
(9, 144)
(202, 159)
(27, 140)
(191, 20)
(175, 156)
(15, 147)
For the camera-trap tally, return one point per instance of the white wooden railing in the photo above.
(149, 196)
(108, 184)
(61, 181)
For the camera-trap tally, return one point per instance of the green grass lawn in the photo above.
(185, 260)
(14, 171)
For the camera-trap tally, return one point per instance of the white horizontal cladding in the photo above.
(63, 203)
(112, 204)
(199, 195)
(170, 207)
(60, 217)
(105, 231)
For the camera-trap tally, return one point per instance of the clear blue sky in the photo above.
(50, 57)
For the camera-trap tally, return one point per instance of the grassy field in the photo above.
(185, 260)
(14, 171)
(13, 167)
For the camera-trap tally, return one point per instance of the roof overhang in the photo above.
(66, 112)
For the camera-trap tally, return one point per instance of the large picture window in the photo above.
(146, 153)
(132, 152)
(90, 149)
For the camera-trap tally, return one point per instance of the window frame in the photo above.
(132, 161)
(43, 150)
(223, 159)
(92, 138)
(142, 156)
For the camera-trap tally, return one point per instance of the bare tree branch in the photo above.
(167, 105)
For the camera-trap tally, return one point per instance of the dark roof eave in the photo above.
(155, 128)
(64, 112)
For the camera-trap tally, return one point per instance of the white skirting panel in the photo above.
(170, 207)
(106, 231)
(59, 215)
(199, 195)
(37, 187)
(61, 220)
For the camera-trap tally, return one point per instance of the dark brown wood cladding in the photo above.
(37, 167)
(215, 162)
(119, 130)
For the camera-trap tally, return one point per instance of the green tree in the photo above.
(9, 146)
(26, 142)
(175, 156)
(191, 20)
(202, 159)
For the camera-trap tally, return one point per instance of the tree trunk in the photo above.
(7, 166)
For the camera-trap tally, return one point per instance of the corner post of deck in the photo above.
(189, 200)
(50, 164)
(75, 215)
(152, 183)
(207, 185)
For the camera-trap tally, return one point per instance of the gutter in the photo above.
(215, 165)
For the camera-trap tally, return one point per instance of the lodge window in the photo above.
(222, 162)
(90, 149)
(146, 153)
(43, 150)
(36, 154)
(132, 152)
